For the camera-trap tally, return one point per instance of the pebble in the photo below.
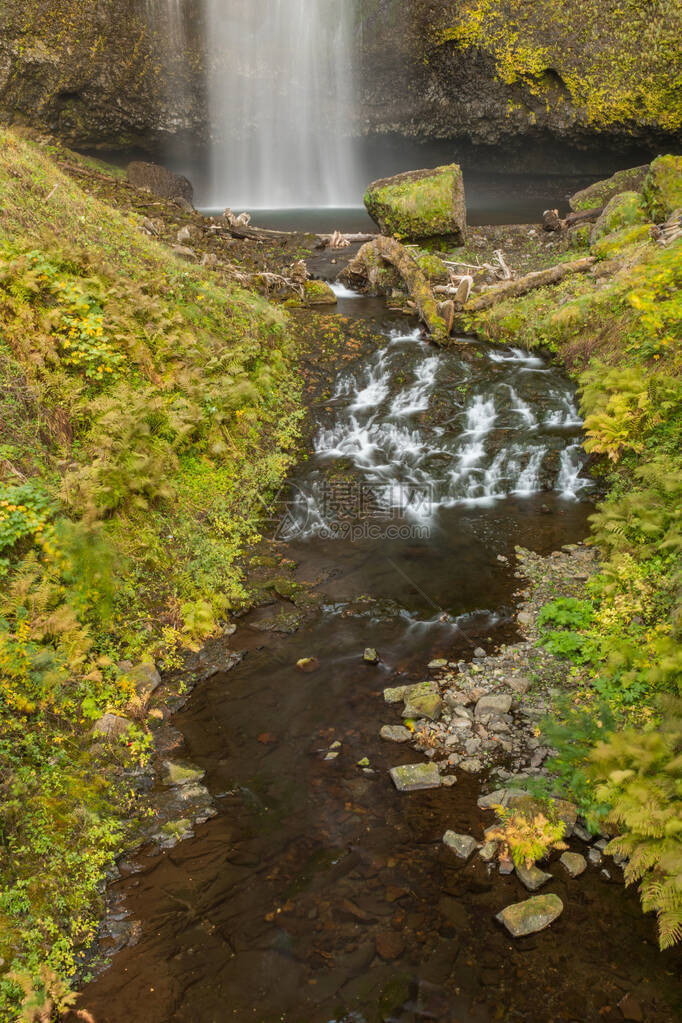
(573, 863)
(594, 856)
(462, 845)
(532, 877)
(395, 733)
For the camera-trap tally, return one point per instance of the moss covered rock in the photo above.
(624, 210)
(601, 192)
(618, 241)
(419, 205)
(663, 187)
(319, 293)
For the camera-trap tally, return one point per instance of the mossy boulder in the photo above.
(420, 205)
(435, 269)
(624, 210)
(613, 244)
(663, 187)
(601, 192)
(319, 293)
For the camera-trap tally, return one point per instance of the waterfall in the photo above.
(280, 88)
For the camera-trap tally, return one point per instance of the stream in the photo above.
(318, 893)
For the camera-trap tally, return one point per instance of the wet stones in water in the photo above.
(531, 916)
(370, 656)
(395, 733)
(413, 777)
(181, 774)
(532, 878)
(573, 863)
(439, 662)
(423, 705)
(462, 845)
(308, 664)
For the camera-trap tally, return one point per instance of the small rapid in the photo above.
(420, 431)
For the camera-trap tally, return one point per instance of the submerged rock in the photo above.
(181, 774)
(395, 733)
(531, 916)
(573, 863)
(413, 777)
(462, 845)
(420, 204)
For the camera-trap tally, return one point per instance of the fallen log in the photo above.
(352, 239)
(537, 279)
(391, 251)
(551, 221)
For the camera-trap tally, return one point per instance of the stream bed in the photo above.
(318, 893)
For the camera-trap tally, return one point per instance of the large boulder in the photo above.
(420, 205)
(663, 187)
(160, 181)
(625, 210)
(601, 192)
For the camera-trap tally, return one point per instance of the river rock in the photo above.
(568, 813)
(395, 733)
(472, 765)
(573, 863)
(439, 662)
(370, 656)
(160, 181)
(462, 845)
(398, 693)
(495, 705)
(181, 774)
(318, 293)
(413, 777)
(600, 192)
(533, 915)
(426, 705)
(532, 877)
(487, 851)
(421, 204)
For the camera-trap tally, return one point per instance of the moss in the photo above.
(663, 187)
(601, 192)
(624, 210)
(614, 66)
(433, 267)
(420, 204)
(618, 242)
(319, 293)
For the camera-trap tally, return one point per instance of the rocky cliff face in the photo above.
(125, 73)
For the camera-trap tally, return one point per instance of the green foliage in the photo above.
(527, 833)
(639, 775)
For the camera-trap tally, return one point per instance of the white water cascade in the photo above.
(280, 103)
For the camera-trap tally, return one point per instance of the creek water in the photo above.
(318, 893)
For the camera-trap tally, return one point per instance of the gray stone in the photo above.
(532, 915)
(472, 745)
(487, 851)
(145, 678)
(110, 726)
(495, 705)
(573, 863)
(532, 877)
(471, 765)
(181, 774)
(398, 693)
(497, 798)
(413, 777)
(479, 652)
(581, 832)
(449, 780)
(395, 733)
(439, 662)
(462, 845)
(594, 856)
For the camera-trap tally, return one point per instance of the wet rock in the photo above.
(594, 856)
(532, 877)
(319, 293)
(308, 664)
(110, 726)
(506, 866)
(630, 1008)
(449, 780)
(471, 765)
(463, 846)
(160, 181)
(488, 851)
(573, 863)
(389, 944)
(181, 774)
(439, 662)
(331, 755)
(370, 656)
(496, 705)
(413, 777)
(479, 652)
(568, 813)
(497, 798)
(427, 705)
(531, 916)
(395, 733)
(581, 832)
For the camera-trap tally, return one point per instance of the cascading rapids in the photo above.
(424, 431)
(280, 91)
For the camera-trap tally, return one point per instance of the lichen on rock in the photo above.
(420, 204)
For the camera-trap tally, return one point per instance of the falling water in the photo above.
(280, 103)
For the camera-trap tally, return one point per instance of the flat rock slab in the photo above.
(413, 777)
(398, 693)
(532, 877)
(573, 863)
(462, 845)
(395, 733)
(531, 916)
(495, 705)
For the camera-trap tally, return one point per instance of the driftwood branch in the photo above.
(435, 316)
(551, 221)
(537, 279)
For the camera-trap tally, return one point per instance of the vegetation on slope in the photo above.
(619, 738)
(146, 409)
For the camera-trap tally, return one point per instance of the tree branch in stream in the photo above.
(537, 279)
